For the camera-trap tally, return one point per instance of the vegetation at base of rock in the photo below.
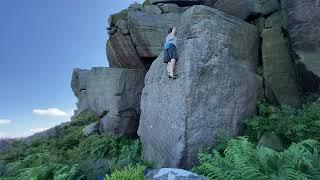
(291, 125)
(129, 173)
(64, 156)
(241, 160)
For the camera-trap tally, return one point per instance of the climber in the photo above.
(170, 52)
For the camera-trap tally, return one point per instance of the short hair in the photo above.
(170, 30)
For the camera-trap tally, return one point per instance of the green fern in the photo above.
(292, 125)
(128, 173)
(241, 160)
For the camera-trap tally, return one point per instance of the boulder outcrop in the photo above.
(304, 30)
(148, 31)
(278, 67)
(136, 35)
(113, 94)
(246, 9)
(122, 53)
(217, 88)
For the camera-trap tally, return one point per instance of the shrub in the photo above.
(58, 157)
(292, 125)
(129, 173)
(241, 160)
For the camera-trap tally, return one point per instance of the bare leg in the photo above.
(172, 64)
(168, 68)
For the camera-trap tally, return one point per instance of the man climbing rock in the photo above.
(170, 52)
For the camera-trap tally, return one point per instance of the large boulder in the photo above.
(136, 37)
(304, 30)
(217, 88)
(121, 52)
(148, 31)
(173, 174)
(278, 68)
(246, 9)
(109, 92)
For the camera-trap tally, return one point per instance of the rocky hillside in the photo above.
(231, 55)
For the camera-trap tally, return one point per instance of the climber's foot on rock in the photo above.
(173, 77)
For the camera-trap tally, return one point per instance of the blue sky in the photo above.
(41, 41)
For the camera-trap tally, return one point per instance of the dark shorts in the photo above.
(170, 53)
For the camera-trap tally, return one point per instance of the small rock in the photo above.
(271, 141)
(173, 174)
(151, 9)
(91, 129)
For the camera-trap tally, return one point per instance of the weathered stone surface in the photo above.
(246, 9)
(148, 31)
(277, 19)
(91, 129)
(259, 22)
(123, 26)
(109, 91)
(168, 8)
(173, 174)
(241, 9)
(122, 53)
(265, 7)
(122, 125)
(151, 9)
(304, 29)
(272, 141)
(179, 2)
(217, 88)
(114, 18)
(278, 68)
(261, 94)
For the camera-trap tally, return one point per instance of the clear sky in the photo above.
(41, 41)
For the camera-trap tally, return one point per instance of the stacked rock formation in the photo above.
(231, 53)
(113, 94)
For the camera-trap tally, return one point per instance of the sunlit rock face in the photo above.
(113, 94)
(217, 88)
